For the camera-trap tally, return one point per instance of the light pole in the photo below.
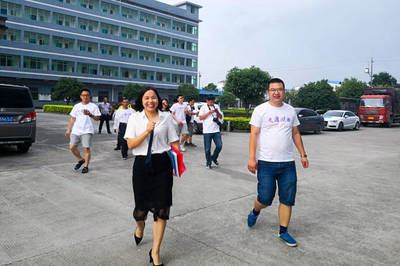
(199, 80)
(370, 71)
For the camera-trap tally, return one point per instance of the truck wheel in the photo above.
(23, 148)
(357, 126)
(365, 124)
(340, 127)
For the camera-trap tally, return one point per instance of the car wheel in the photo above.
(318, 131)
(23, 148)
(357, 126)
(340, 127)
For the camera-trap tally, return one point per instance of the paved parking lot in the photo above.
(347, 209)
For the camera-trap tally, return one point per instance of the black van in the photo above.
(17, 117)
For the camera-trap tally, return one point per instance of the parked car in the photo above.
(198, 124)
(17, 117)
(341, 119)
(309, 120)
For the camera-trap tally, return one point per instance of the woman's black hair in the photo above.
(166, 110)
(139, 101)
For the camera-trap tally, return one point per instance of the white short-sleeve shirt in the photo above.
(83, 123)
(209, 126)
(164, 132)
(275, 143)
(179, 112)
(122, 116)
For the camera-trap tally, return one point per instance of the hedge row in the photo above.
(237, 123)
(65, 109)
(236, 112)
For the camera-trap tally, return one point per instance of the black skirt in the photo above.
(152, 189)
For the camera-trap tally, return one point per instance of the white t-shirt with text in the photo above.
(179, 112)
(209, 126)
(275, 143)
(83, 123)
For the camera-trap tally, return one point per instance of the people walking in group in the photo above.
(165, 105)
(81, 129)
(105, 110)
(150, 134)
(179, 111)
(211, 115)
(190, 122)
(120, 121)
(273, 132)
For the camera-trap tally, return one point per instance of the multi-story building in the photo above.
(105, 44)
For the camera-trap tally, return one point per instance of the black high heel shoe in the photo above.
(138, 239)
(151, 260)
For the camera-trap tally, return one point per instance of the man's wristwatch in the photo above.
(303, 155)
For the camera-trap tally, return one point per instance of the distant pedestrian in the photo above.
(165, 105)
(150, 134)
(179, 111)
(81, 123)
(105, 110)
(120, 121)
(273, 132)
(190, 115)
(211, 115)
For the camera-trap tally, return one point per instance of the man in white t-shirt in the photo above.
(120, 121)
(81, 123)
(178, 112)
(273, 132)
(212, 117)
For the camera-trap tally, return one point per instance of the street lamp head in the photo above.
(366, 70)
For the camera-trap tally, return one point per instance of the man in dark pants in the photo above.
(105, 110)
(120, 121)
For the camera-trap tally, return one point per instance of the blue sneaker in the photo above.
(288, 239)
(251, 219)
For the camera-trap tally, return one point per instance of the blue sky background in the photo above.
(299, 41)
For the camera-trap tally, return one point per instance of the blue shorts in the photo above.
(268, 173)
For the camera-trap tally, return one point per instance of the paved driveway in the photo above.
(347, 209)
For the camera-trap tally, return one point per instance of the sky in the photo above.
(299, 41)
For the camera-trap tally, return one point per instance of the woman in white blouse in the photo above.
(150, 134)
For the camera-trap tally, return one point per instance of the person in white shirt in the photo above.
(273, 132)
(81, 123)
(178, 112)
(190, 122)
(150, 134)
(120, 121)
(211, 115)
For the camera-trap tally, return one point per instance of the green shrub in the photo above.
(236, 112)
(64, 109)
(237, 123)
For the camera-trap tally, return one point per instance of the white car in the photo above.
(341, 119)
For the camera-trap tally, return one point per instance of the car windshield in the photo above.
(334, 113)
(371, 102)
(15, 98)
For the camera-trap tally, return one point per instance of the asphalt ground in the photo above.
(347, 208)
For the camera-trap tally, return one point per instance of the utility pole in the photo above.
(199, 80)
(370, 71)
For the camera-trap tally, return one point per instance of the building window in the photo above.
(129, 33)
(67, 1)
(146, 56)
(64, 43)
(109, 8)
(191, 80)
(10, 9)
(163, 40)
(89, 4)
(164, 22)
(37, 14)
(163, 58)
(109, 71)
(193, 10)
(191, 29)
(191, 46)
(179, 61)
(109, 29)
(12, 35)
(109, 50)
(164, 77)
(146, 75)
(147, 18)
(90, 69)
(62, 66)
(129, 53)
(178, 26)
(36, 38)
(63, 20)
(88, 25)
(178, 78)
(9, 60)
(147, 37)
(89, 47)
(36, 63)
(129, 73)
(191, 62)
(178, 43)
(129, 13)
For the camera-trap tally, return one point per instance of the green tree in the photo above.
(227, 99)
(132, 91)
(290, 97)
(67, 89)
(351, 88)
(383, 79)
(188, 90)
(317, 95)
(248, 84)
(211, 87)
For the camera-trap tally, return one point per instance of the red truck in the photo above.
(380, 106)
